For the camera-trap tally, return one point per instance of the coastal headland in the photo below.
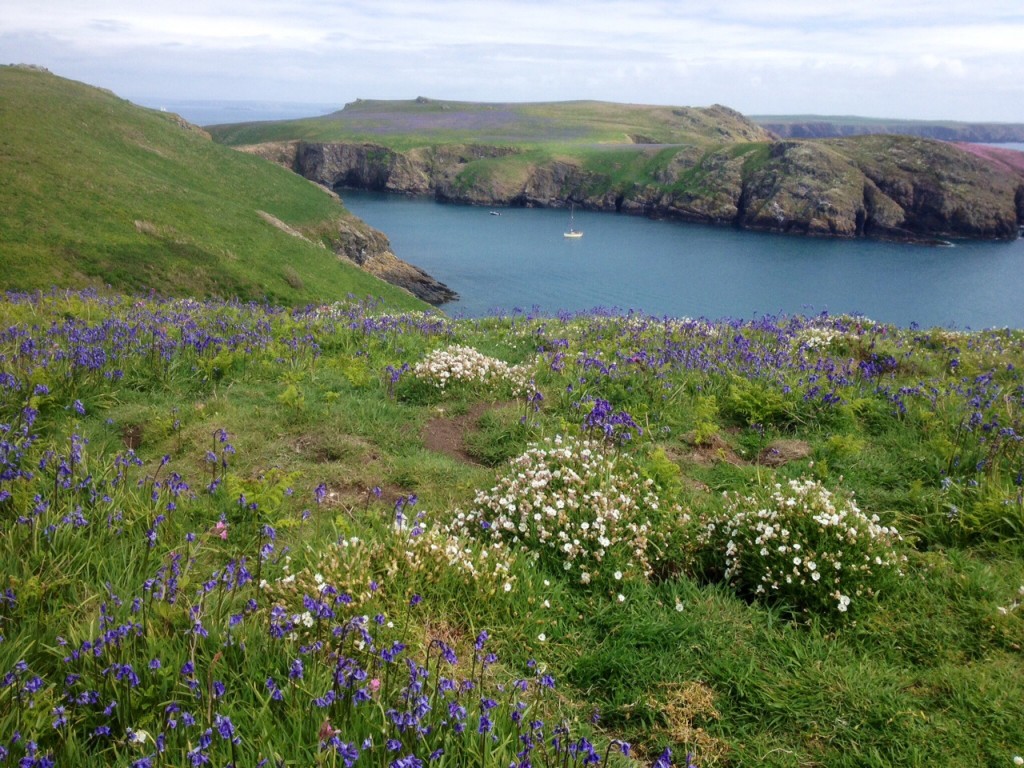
(710, 165)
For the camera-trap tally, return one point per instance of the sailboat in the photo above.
(573, 232)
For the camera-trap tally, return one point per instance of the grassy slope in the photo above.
(96, 190)
(400, 124)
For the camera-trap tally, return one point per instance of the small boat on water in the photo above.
(495, 213)
(573, 232)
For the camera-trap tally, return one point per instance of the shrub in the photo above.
(802, 546)
(459, 364)
(575, 509)
(755, 402)
(414, 550)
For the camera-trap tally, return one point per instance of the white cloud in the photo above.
(941, 58)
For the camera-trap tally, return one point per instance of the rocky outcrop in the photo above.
(831, 128)
(353, 239)
(875, 186)
(940, 189)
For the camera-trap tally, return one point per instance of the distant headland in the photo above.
(710, 165)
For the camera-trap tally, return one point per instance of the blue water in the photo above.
(208, 112)
(520, 260)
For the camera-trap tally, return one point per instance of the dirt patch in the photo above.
(447, 434)
(273, 221)
(684, 709)
(779, 452)
(695, 485)
(327, 447)
(711, 450)
(131, 436)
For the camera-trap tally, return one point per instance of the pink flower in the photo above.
(221, 529)
(375, 684)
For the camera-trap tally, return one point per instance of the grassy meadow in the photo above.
(240, 534)
(401, 125)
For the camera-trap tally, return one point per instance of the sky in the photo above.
(910, 59)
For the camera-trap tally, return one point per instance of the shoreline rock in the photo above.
(882, 187)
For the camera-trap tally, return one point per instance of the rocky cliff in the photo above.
(350, 237)
(369, 248)
(876, 186)
(837, 127)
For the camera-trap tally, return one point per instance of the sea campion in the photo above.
(460, 364)
(412, 545)
(801, 545)
(576, 509)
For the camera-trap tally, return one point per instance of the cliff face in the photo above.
(831, 128)
(881, 186)
(876, 186)
(369, 248)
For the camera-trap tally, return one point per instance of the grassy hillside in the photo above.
(237, 535)
(574, 126)
(94, 190)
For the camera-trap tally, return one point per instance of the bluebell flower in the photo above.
(225, 727)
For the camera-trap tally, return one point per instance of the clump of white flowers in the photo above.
(801, 545)
(818, 338)
(572, 506)
(411, 550)
(443, 367)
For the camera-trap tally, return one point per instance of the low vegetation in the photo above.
(794, 541)
(401, 125)
(96, 191)
(827, 126)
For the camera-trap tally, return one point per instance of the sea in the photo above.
(516, 259)
(205, 112)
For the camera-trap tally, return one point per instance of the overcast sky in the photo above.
(925, 59)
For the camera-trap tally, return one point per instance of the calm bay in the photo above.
(519, 260)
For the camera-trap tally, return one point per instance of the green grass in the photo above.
(96, 191)
(401, 125)
(928, 672)
(148, 446)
